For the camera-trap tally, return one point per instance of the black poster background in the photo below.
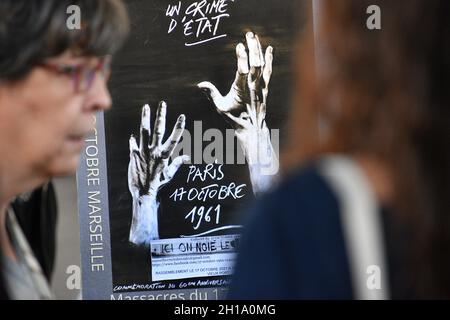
(155, 66)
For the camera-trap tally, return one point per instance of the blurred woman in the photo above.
(52, 81)
(367, 213)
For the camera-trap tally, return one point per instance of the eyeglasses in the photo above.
(82, 75)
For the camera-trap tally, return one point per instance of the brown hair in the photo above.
(385, 93)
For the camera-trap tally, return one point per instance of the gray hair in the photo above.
(34, 30)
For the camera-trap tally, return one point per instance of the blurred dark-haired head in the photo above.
(385, 93)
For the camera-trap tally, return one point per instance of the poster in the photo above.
(201, 94)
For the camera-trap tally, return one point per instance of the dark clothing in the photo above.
(36, 213)
(294, 248)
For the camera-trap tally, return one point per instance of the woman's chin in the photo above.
(75, 144)
(65, 166)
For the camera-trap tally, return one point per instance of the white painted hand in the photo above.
(149, 170)
(149, 167)
(245, 104)
(245, 108)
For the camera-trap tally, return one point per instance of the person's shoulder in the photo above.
(298, 226)
(300, 204)
(305, 190)
(306, 181)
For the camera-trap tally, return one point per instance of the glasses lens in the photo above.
(86, 75)
(86, 79)
(106, 68)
